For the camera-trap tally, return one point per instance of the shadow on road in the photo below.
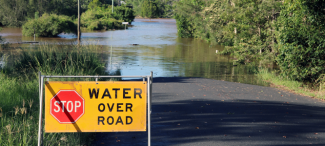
(230, 122)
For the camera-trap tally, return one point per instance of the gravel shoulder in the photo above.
(198, 111)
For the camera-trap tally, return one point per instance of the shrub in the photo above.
(301, 40)
(49, 25)
(99, 18)
(94, 20)
(149, 9)
(123, 13)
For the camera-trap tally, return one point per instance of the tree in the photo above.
(187, 17)
(94, 4)
(17, 12)
(164, 7)
(245, 27)
(149, 9)
(13, 12)
(302, 40)
(1, 40)
(101, 17)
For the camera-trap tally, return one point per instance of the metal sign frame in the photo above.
(125, 23)
(41, 88)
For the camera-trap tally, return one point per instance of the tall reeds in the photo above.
(57, 60)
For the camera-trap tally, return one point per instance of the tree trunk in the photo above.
(78, 22)
(259, 34)
(273, 18)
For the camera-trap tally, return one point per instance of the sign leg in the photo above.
(149, 112)
(40, 129)
(151, 80)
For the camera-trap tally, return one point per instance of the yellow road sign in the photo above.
(102, 106)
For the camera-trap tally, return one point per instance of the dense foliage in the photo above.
(188, 17)
(288, 32)
(99, 16)
(302, 39)
(149, 9)
(246, 27)
(163, 7)
(16, 12)
(49, 25)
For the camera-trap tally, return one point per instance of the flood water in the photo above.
(153, 46)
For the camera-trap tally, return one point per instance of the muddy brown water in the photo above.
(152, 46)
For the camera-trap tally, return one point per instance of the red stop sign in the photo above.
(67, 106)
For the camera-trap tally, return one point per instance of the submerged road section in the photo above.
(206, 112)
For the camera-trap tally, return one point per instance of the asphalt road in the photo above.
(206, 112)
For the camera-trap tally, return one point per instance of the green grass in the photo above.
(56, 60)
(19, 103)
(294, 86)
(19, 116)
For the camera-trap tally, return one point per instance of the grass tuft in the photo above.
(292, 85)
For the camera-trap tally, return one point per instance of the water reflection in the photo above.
(159, 50)
(187, 58)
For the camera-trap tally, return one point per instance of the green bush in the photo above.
(301, 40)
(95, 20)
(184, 27)
(149, 9)
(187, 15)
(49, 25)
(101, 18)
(123, 13)
(164, 8)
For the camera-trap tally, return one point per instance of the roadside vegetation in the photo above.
(289, 33)
(308, 89)
(19, 104)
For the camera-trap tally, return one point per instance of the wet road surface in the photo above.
(198, 111)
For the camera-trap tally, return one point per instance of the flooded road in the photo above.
(153, 46)
(143, 32)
